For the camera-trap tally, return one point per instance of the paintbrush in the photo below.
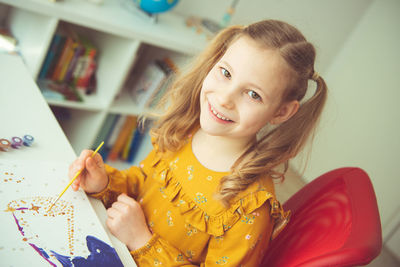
(73, 179)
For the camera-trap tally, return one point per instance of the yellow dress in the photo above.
(189, 226)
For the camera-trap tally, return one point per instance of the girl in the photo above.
(205, 196)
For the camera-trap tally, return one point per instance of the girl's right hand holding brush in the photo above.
(93, 178)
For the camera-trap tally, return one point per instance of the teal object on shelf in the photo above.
(155, 6)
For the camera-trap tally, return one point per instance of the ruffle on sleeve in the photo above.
(281, 217)
(214, 225)
(110, 193)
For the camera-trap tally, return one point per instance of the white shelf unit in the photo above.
(126, 43)
(122, 103)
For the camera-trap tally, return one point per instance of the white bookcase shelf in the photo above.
(125, 41)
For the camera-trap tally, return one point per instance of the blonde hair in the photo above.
(271, 149)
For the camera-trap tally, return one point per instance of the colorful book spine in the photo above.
(84, 80)
(137, 139)
(105, 129)
(62, 59)
(114, 132)
(50, 56)
(57, 56)
(68, 59)
(122, 138)
(79, 51)
(127, 147)
(86, 65)
(109, 132)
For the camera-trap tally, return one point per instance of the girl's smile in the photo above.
(220, 118)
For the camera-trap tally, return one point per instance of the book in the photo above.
(127, 147)
(71, 60)
(123, 135)
(136, 141)
(170, 69)
(149, 81)
(50, 56)
(105, 129)
(105, 135)
(68, 59)
(61, 61)
(109, 143)
(79, 51)
(85, 81)
(86, 64)
(57, 54)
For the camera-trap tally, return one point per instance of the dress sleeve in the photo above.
(159, 252)
(127, 181)
(242, 245)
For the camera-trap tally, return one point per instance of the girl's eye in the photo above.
(254, 95)
(225, 73)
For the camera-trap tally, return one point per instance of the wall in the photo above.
(325, 23)
(361, 124)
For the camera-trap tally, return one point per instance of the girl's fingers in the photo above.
(112, 213)
(127, 204)
(124, 198)
(84, 154)
(81, 160)
(98, 160)
(92, 166)
(119, 206)
(92, 172)
(76, 184)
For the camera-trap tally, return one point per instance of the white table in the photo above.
(23, 111)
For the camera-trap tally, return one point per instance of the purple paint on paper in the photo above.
(19, 226)
(22, 209)
(43, 254)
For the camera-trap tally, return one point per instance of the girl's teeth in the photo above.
(219, 116)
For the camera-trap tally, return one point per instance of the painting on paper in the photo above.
(70, 234)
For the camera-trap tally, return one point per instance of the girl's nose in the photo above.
(226, 97)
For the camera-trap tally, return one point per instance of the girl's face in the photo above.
(242, 92)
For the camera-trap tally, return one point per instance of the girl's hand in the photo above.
(126, 221)
(93, 178)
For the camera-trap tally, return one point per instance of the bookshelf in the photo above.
(126, 43)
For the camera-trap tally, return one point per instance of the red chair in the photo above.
(335, 222)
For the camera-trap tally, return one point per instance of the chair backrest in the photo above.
(335, 222)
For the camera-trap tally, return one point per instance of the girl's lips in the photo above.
(219, 118)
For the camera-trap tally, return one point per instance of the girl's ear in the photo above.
(285, 112)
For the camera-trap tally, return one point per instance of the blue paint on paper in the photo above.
(64, 260)
(101, 254)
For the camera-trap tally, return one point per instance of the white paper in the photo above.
(29, 236)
